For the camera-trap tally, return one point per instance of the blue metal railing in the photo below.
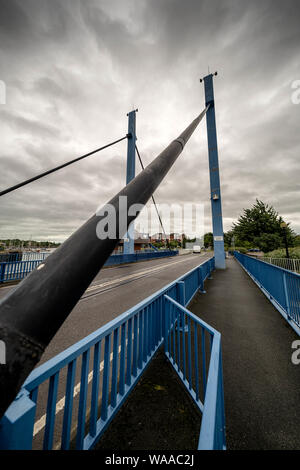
(32, 256)
(126, 345)
(282, 287)
(138, 256)
(193, 347)
(23, 256)
(17, 270)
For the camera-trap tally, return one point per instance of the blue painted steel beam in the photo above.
(216, 202)
(130, 175)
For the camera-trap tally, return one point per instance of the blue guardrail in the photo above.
(138, 256)
(281, 286)
(17, 270)
(70, 400)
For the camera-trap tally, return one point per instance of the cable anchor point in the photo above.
(212, 74)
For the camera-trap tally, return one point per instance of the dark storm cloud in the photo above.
(73, 69)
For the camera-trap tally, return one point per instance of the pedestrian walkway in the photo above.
(261, 384)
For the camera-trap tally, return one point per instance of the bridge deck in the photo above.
(262, 386)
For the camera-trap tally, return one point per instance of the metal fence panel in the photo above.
(184, 332)
(17, 270)
(281, 286)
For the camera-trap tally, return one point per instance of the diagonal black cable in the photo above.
(34, 178)
(152, 197)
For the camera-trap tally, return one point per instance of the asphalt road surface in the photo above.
(113, 291)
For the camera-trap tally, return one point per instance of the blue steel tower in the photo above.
(215, 189)
(129, 237)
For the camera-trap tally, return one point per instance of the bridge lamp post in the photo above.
(283, 225)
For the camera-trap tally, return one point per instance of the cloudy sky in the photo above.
(73, 69)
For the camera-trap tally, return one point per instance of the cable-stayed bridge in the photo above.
(77, 340)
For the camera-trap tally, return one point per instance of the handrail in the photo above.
(212, 434)
(290, 264)
(17, 270)
(187, 350)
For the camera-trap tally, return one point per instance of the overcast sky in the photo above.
(73, 69)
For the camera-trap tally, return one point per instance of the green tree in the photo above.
(208, 240)
(268, 242)
(260, 227)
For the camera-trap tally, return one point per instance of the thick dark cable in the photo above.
(34, 178)
(153, 200)
(32, 313)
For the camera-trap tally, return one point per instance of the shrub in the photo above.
(281, 253)
(241, 249)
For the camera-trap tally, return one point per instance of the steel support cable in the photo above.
(41, 175)
(32, 313)
(153, 200)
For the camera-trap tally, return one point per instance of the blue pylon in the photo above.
(216, 202)
(130, 175)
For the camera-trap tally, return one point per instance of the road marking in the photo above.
(41, 423)
(132, 276)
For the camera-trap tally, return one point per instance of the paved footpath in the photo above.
(262, 385)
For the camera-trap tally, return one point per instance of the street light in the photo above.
(233, 243)
(283, 225)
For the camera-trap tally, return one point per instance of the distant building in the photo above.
(161, 237)
(142, 241)
(176, 236)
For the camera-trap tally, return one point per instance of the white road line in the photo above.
(41, 423)
(132, 276)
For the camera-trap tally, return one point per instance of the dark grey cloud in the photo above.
(73, 69)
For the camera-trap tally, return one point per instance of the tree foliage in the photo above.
(260, 227)
(208, 240)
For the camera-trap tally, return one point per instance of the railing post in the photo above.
(166, 312)
(287, 301)
(16, 426)
(211, 267)
(2, 271)
(201, 280)
(180, 286)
